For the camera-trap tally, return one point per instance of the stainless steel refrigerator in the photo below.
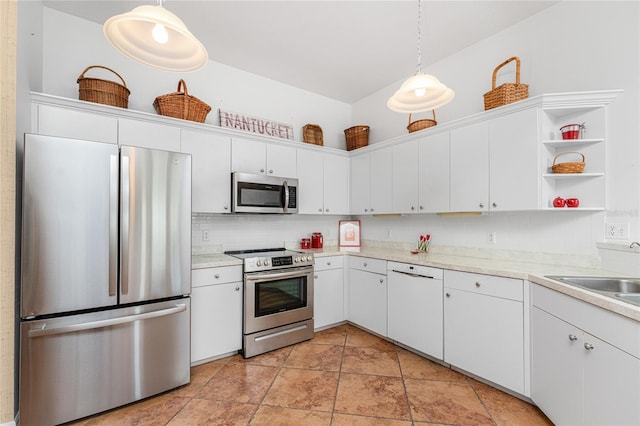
(105, 276)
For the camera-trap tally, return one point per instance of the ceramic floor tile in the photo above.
(506, 409)
(416, 367)
(315, 357)
(281, 416)
(200, 375)
(239, 383)
(150, 412)
(331, 336)
(306, 389)
(360, 338)
(445, 402)
(375, 396)
(370, 360)
(272, 359)
(207, 412)
(352, 420)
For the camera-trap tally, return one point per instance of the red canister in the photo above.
(305, 243)
(316, 240)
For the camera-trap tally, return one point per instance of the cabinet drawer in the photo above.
(324, 263)
(490, 285)
(377, 266)
(408, 268)
(209, 276)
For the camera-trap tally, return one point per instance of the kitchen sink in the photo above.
(626, 289)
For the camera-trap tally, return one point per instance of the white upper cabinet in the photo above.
(145, 134)
(381, 176)
(406, 177)
(324, 182)
(210, 170)
(360, 183)
(434, 173)
(73, 123)
(469, 164)
(263, 158)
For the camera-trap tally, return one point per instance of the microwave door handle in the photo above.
(285, 185)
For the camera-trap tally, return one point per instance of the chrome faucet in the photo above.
(634, 244)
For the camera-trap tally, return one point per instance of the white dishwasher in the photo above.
(415, 307)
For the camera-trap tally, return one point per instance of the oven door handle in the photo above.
(270, 276)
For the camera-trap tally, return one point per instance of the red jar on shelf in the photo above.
(316, 240)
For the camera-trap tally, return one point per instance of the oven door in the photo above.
(275, 298)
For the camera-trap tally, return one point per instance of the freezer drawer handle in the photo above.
(105, 323)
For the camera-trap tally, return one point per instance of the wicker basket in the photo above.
(103, 91)
(507, 92)
(182, 105)
(312, 133)
(569, 167)
(422, 124)
(357, 137)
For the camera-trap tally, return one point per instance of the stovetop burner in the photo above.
(271, 258)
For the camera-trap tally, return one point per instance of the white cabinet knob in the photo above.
(481, 205)
(216, 276)
(237, 288)
(271, 171)
(573, 337)
(477, 284)
(588, 346)
(495, 204)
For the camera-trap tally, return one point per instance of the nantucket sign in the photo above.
(260, 126)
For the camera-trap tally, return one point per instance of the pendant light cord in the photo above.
(419, 65)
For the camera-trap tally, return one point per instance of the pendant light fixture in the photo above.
(420, 92)
(156, 37)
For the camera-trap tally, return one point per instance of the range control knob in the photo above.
(296, 259)
(266, 262)
(259, 263)
(309, 258)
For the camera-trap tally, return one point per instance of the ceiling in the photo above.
(344, 50)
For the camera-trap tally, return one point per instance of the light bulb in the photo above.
(160, 34)
(420, 91)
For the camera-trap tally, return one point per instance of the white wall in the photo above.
(571, 46)
(72, 44)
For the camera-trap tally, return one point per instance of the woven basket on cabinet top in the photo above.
(182, 105)
(312, 133)
(356, 137)
(508, 92)
(103, 91)
(422, 124)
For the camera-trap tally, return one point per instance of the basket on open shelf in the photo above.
(182, 105)
(312, 133)
(508, 92)
(356, 137)
(568, 167)
(103, 91)
(422, 124)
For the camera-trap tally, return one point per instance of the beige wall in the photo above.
(7, 204)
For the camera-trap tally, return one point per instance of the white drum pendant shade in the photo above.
(174, 49)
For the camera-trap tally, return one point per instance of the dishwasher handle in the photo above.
(413, 274)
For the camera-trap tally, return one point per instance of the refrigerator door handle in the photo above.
(113, 225)
(105, 323)
(124, 218)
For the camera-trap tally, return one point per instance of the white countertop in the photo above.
(532, 271)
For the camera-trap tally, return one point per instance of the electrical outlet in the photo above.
(205, 235)
(491, 239)
(617, 231)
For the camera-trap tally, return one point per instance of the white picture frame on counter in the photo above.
(349, 233)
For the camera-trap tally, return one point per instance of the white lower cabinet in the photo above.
(367, 294)
(578, 378)
(328, 291)
(414, 307)
(484, 327)
(216, 312)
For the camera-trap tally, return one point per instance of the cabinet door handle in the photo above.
(481, 205)
(328, 263)
(495, 204)
(573, 337)
(381, 281)
(315, 276)
(477, 284)
(271, 171)
(237, 288)
(364, 264)
(327, 210)
(588, 346)
(261, 170)
(320, 210)
(216, 276)
(448, 294)
(421, 207)
(366, 210)
(412, 208)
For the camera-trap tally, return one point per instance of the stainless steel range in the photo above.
(278, 298)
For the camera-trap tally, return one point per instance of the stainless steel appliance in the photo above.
(278, 299)
(263, 194)
(105, 277)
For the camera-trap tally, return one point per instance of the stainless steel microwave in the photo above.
(252, 193)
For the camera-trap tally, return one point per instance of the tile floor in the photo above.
(344, 376)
